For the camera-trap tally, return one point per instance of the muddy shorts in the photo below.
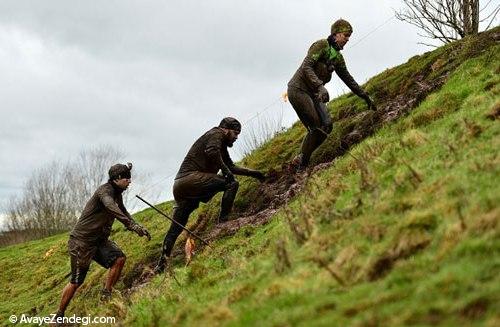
(81, 254)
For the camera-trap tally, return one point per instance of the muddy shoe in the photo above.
(159, 269)
(296, 161)
(300, 169)
(105, 295)
(297, 165)
(160, 266)
(222, 220)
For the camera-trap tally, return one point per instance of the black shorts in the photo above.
(81, 254)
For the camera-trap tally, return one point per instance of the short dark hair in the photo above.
(230, 123)
(120, 171)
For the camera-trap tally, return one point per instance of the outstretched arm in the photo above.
(114, 209)
(217, 153)
(241, 170)
(346, 77)
(119, 212)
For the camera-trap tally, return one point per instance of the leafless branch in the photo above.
(55, 194)
(493, 16)
(445, 20)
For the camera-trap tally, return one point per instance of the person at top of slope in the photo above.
(307, 92)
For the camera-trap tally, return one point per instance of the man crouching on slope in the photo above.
(89, 238)
(197, 179)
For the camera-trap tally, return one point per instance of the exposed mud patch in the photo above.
(281, 188)
(475, 309)
(406, 246)
(282, 185)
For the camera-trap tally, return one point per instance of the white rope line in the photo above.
(371, 32)
(263, 110)
(172, 173)
(147, 188)
(276, 101)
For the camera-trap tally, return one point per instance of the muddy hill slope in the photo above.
(396, 223)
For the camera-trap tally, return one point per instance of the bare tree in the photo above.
(90, 169)
(46, 205)
(448, 20)
(55, 194)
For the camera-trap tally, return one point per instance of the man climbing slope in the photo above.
(197, 179)
(89, 239)
(307, 92)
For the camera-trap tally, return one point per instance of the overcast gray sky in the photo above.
(149, 77)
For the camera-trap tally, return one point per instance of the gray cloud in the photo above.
(151, 76)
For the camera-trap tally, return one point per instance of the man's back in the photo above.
(197, 158)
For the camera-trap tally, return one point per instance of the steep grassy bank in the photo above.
(402, 228)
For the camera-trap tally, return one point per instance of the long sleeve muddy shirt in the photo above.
(209, 155)
(96, 220)
(322, 59)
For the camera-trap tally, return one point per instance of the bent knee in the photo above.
(233, 185)
(78, 275)
(76, 283)
(121, 260)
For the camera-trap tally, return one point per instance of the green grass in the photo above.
(404, 230)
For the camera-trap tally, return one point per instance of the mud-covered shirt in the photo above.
(96, 220)
(323, 57)
(209, 155)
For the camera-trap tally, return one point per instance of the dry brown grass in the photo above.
(282, 263)
(405, 245)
